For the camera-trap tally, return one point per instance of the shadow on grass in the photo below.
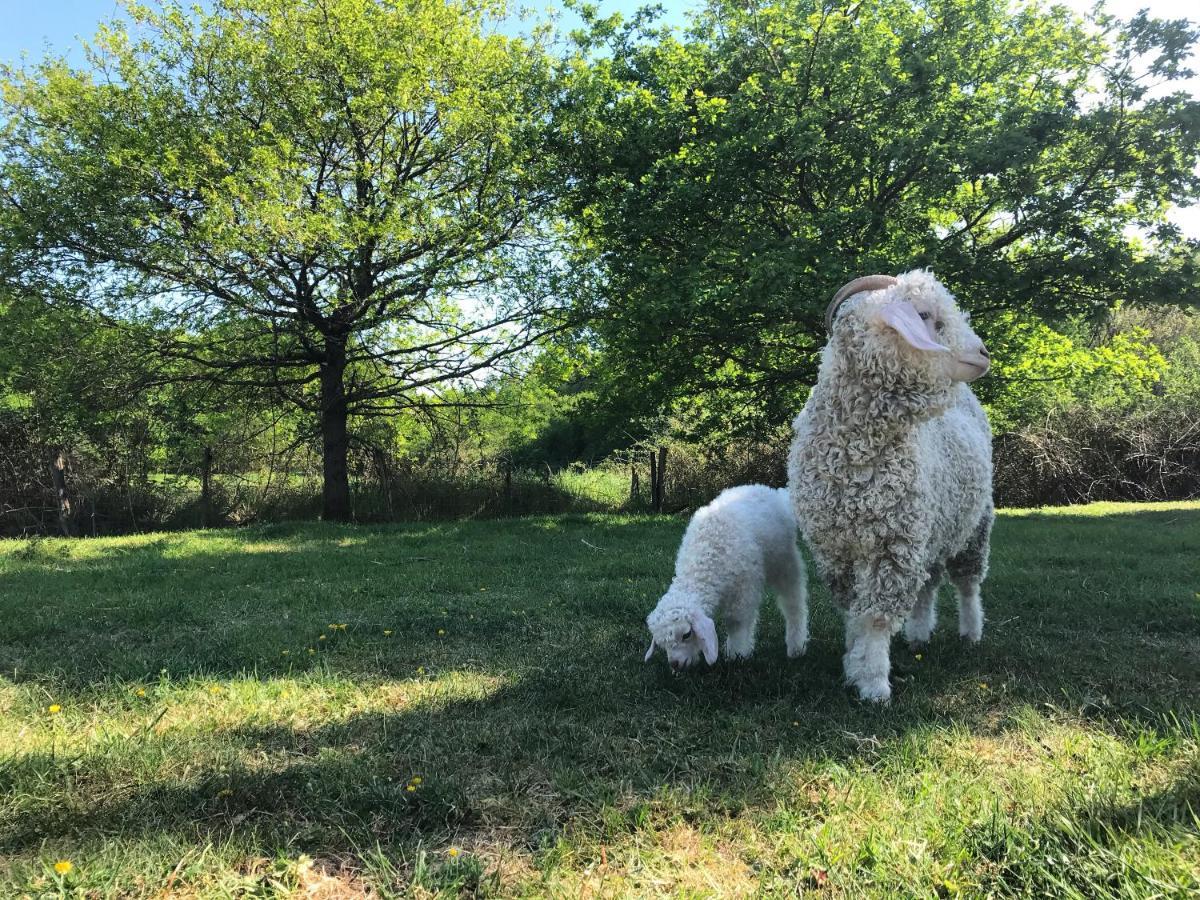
(1092, 617)
(550, 758)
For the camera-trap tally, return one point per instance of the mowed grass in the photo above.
(448, 709)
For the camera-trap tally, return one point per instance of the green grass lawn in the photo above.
(179, 716)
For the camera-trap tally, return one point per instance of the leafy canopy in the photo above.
(728, 181)
(271, 179)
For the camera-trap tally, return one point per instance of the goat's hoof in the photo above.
(795, 650)
(877, 691)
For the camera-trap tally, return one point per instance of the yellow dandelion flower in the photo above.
(420, 670)
(311, 651)
(342, 627)
(483, 589)
(411, 788)
(140, 692)
(918, 657)
(321, 638)
(441, 631)
(215, 689)
(387, 632)
(983, 684)
(63, 866)
(332, 627)
(225, 792)
(54, 709)
(417, 779)
(287, 652)
(796, 723)
(453, 852)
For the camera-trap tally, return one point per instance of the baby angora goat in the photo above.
(742, 540)
(890, 470)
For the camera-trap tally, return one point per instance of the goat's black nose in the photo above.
(983, 351)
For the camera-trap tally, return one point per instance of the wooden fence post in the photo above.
(58, 476)
(660, 488)
(206, 504)
(653, 481)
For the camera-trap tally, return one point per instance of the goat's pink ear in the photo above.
(650, 652)
(902, 317)
(706, 634)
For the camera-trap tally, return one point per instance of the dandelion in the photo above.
(225, 792)
(215, 689)
(140, 692)
(64, 866)
(481, 590)
(332, 627)
(321, 638)
(342, 627)
(420, 670)
(441, 631)
(311, 651)
(983, 684)
(411, 788)
(417, 779)
(797, 724)
(287, 652)
(387, 632)
(918, 657)
(54, 709)
(453, 852)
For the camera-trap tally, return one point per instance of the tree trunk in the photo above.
(335, 440)
(58, 475)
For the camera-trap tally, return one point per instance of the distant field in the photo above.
(461, 708)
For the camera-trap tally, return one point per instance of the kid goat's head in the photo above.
(908, 326)
(684, 632)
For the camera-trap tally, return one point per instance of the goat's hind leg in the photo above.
(791, 594)
(919, 626)
(967, 571)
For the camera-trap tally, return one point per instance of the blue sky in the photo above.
(32, 27)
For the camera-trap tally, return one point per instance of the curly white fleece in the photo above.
(890, 474)
(733, 547)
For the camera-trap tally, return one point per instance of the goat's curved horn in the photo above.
(857, 286)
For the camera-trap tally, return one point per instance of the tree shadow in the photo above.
(578, 734)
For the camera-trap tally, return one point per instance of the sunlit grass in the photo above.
(462, 708)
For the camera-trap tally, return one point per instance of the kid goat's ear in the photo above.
(650, 652)
(706, 634)
(902, 317)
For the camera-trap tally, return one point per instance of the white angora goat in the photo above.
(743, 540)
(890, 470)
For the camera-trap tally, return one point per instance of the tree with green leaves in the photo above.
(339, 201)
(729, 180)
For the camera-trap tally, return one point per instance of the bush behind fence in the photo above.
(1076, 456)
